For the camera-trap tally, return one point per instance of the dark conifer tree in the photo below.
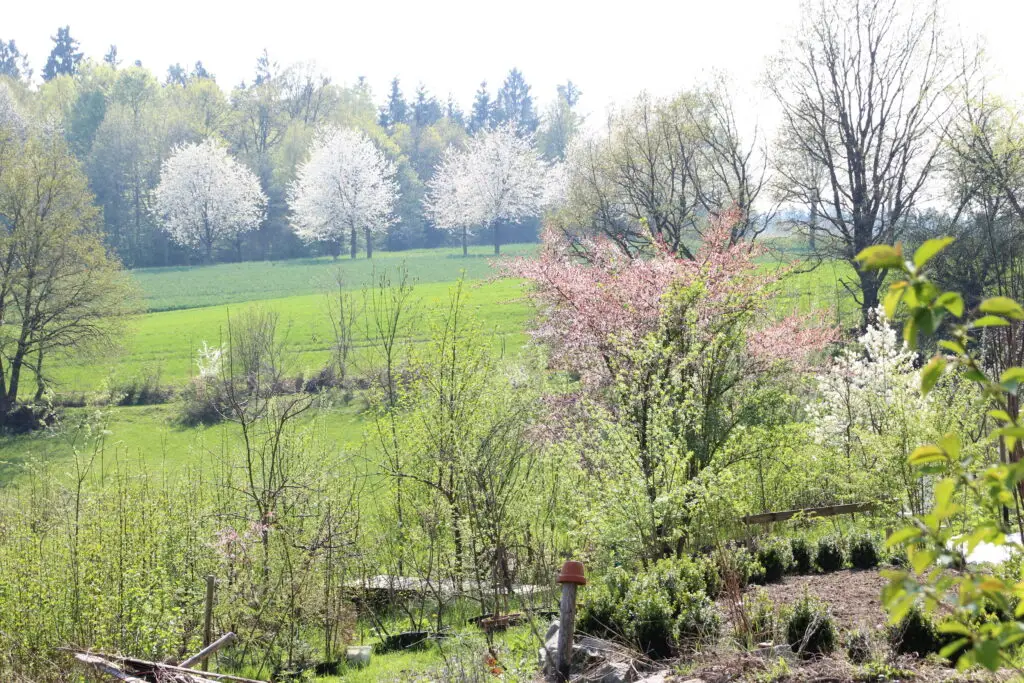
(11, 60)
(515, 104)
(397, 108)
(64, 57)
(482, 114)
(111, 57)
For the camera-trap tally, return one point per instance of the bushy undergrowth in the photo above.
(810, 628)
(660, 611)
(829, 555)
(802, 555)
(776, 558)
(916, 634)
(864, 552)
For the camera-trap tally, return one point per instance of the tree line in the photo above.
(123, 122)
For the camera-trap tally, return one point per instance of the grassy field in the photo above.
(163, 343)
(168, 289)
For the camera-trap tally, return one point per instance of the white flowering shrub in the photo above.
(870, 414)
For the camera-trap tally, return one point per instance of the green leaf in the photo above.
(987, 653)
(954, 647)
(989, 321)
(1000, 415)
(1012, 378)
(891, 302)
(881, 256)
(952, 346)
(954, 627)
(931, 373)
(929, 249)
(910, 333)
(1003, 305)
(923, 455)
(952, 302)
(901, 536)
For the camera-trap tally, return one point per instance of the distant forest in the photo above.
(123, 120)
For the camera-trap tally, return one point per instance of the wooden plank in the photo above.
(226, 639)
(106, 667)
(827, 511)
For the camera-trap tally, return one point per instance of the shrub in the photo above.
(829, 556)
(738, 561)
(711, 576)
(649, 623)
(141, 390)
(864, 553)
(698, 620)
(810, 628)
(762, 617)
(599, 615)
(858, 646)
(801, 550)
(915, 634)
(201, 403)
(679, 577)
(776, 557)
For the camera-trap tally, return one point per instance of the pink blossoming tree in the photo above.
(672, 354)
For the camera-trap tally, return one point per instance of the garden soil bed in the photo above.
(854, 596)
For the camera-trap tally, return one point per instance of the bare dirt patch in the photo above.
(854, 596)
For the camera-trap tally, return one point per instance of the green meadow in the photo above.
(187, 307)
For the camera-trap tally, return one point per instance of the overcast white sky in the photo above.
(611, 50)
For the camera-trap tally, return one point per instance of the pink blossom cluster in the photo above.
(594, 299)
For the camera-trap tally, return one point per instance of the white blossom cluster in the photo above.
(867, 388)
(205, 196)
(498, 177)
(347, 184)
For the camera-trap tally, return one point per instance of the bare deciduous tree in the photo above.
(864, 90)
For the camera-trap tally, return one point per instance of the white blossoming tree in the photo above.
(870, 411)
(499, 177)
(206, 197)
(347, 185)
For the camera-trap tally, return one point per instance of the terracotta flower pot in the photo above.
(572, 572)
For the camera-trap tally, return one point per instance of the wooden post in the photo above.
(208, 618)
(571, 578)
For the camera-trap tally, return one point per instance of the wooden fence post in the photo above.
(571, 578)
(208, 618)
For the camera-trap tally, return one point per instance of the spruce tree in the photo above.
(111, 57)
(482, 115)
(398, 109)
(64, 57)
(426, 110)
(515, 104)
(11, 60)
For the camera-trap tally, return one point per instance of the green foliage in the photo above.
(810, 628)
(864, 552)
(763, 617)
(660, 610)
(829, 555)
(802, 558)
(916, 633)
(649, 626)
(776, 557)
(858, 646)
(932, 544)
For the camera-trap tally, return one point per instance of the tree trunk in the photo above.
(497, 238)
(352, 246)
(369, 244)
(208, 256)
(465, 242)
(870, 283)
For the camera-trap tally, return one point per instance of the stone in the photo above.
(774, 652)
(610, 672)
